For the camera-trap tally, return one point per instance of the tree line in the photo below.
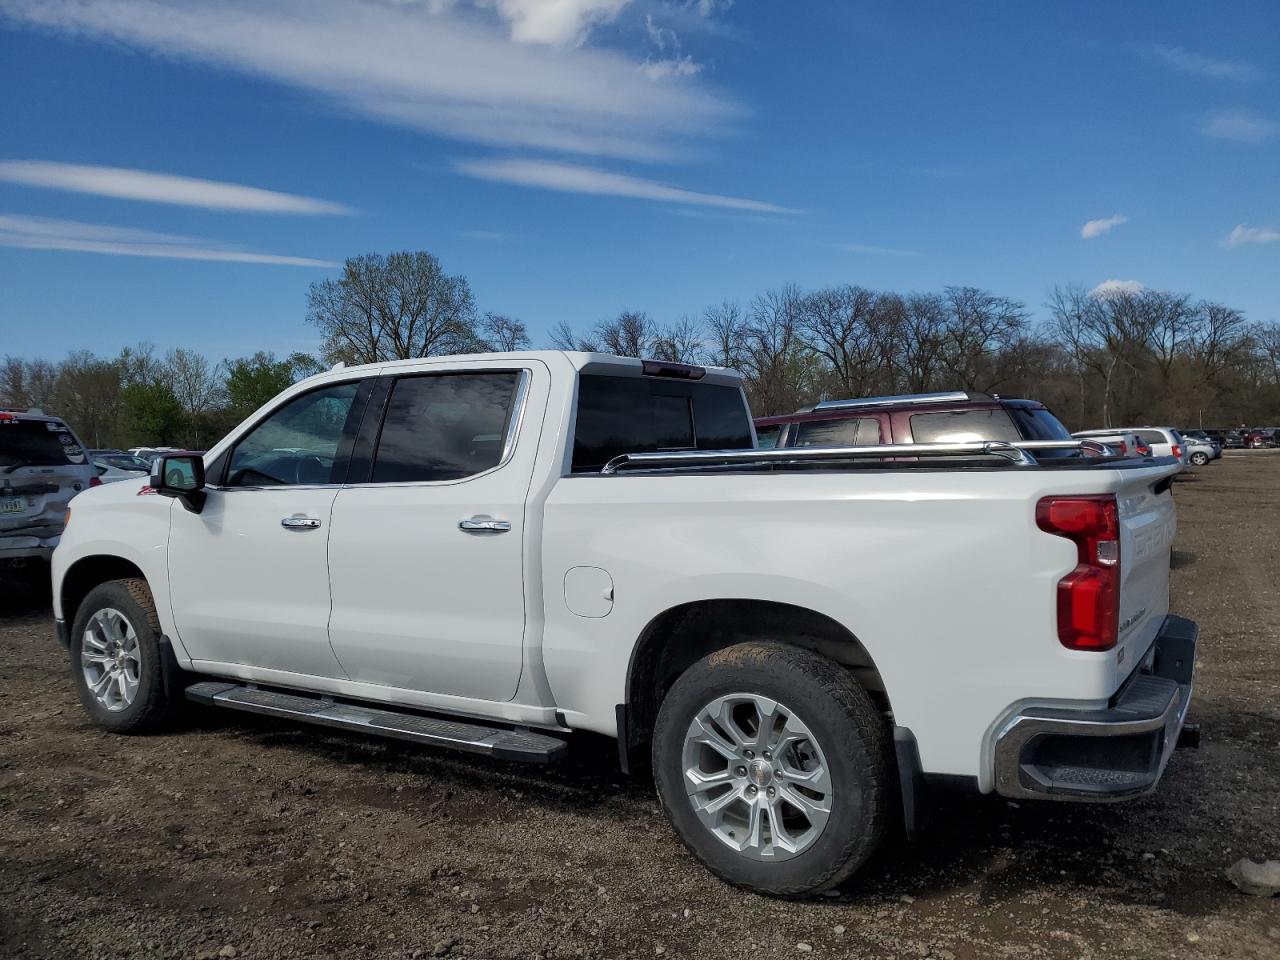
(1099, 358)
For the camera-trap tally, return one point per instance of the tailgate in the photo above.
(1148, 522)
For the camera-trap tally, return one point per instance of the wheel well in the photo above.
(87, 573)
(676, 639)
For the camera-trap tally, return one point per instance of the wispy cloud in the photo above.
(1243, 126)
(1196, 64)
(1096, 228)
(1110, 288)
(441, 67)
(45, 233)
(1243, 236)
(874, 251)
(571, 178)
(159, 188)
(675, 67)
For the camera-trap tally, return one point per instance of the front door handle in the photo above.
(484, 525)
(299, 523)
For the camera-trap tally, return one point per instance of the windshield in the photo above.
(123, 461)
(37, 443)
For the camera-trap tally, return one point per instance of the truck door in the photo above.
(248, 575)
(427, 545)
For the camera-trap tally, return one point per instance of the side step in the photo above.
(500, 742)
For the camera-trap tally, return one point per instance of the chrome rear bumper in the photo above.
(1113, 753)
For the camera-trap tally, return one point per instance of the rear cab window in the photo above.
(618, 414)
(37, 443)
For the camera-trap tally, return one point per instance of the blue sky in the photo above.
(180, 172)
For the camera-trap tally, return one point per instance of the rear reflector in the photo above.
(666, 368)
(1088, 596)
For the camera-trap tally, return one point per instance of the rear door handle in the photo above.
(484, 525)
(299, 523)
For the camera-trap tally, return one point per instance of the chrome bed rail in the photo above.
(1014, 454)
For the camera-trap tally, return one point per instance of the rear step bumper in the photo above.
(1114, 753)
(502, 743)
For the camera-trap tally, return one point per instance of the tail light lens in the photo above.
(1088, 596)
(1124, 447)
(95, 481)
(1177, 450)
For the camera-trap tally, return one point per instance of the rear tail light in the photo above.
(95, 481)
(1088, 596)
(1124, 447)
(1177, 450)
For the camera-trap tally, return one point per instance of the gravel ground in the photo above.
(251, 838)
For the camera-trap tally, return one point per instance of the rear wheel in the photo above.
(772, 764)
(1199, 459)
(116, 658)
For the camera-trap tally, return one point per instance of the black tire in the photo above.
(849, 730)
(1199, 459)
(152, 707)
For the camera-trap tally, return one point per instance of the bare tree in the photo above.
(921, 337)
(564, 337)
(630, 334)
(681, 342)
(773, 355)
(725, 329)
(503, 334)
(392, 308)
(979, 327)
(197, 384)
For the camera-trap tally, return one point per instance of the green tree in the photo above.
(152, 414)
(252, 381)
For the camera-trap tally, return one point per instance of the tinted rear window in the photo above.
(37, 443)
(619, 415)
(963, 426)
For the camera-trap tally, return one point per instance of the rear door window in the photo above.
(842, 432)
(963, 426)
(618, 415)
(37, 443)
(445, 426)
(1152, 436)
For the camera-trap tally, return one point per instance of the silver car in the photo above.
(43, 465)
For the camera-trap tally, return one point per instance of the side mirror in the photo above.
(180, 475)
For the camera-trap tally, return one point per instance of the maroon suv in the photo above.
(916, 418)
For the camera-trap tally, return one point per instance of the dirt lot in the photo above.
(259, 839)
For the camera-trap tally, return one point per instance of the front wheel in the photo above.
(772, 765)
(1199, 459)
(116, 658)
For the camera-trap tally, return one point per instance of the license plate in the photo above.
(13, 504)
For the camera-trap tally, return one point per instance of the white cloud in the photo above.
(1243, 126)
(555, 22)
(1108, 288)
(1199, 65)
(679, 67)
(1243, 236)
(1096, 228)
(45, 233)
(159, 188)
(571, 178)
(436, 67)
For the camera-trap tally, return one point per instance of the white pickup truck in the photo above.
(489, 552)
